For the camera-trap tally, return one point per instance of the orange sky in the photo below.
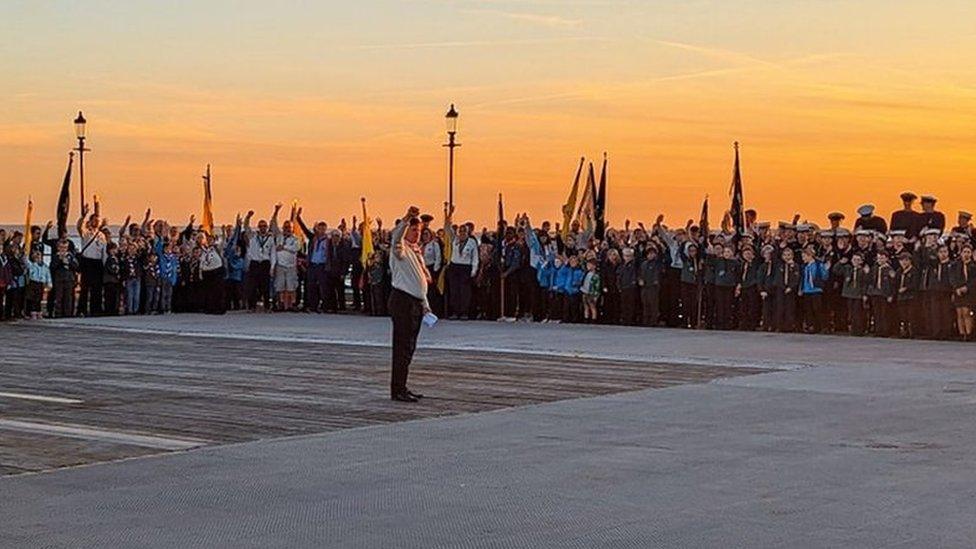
(835, 104)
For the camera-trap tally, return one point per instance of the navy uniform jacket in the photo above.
(650, 272)
(728, 272)
(908, 221)
(871, 223)
(932, 220)
(881, 281)
(787, 276)
(751, 273)
(938, 277)
(627, 274)
(854, 281)
(908, 282)
(964, 275)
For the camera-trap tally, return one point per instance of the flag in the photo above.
(586, 209)
(501, 209)
(570, 204)
(600, 204)
(27, 228)
(367, 235)
(208, 220)
(737, 210)
(703, 222)
(64, 200)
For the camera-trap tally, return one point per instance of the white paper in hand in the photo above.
(430, 319)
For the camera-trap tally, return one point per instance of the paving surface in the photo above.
(77, 396)
(850, 443)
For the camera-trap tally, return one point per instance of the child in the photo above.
(572, 281)
(650, 286)
(880, 292)
(964, 290)
(6, 279)
(376, 270)
(132, 277)
(815, 275)
(591, 289)
(855, 277)
(64, 272)
(908, 279)
(747, 291)
(557, 293)
(38, 280)
(234, 261)
(111, 280)
(787, 283)
(153, 284)
(545, 276)
(168, 270)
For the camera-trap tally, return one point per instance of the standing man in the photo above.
(868, 221)
(965, 224)
(906, 219)
(318, 254)
(286, 262)
(462, 268)
(930, 218)
(91, 262)
(260, 251)
(408, 300)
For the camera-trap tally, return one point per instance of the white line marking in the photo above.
(421, 345)
(89, 433)
(41, 398)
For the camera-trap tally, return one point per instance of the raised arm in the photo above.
(396, 237)
(309, 235)
(274, 221)
(81, 221)
(124, 226)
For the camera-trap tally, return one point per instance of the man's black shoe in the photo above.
(404, 396)
(414, 395)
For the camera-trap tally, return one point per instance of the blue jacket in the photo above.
(546, 275)
(234, 261)
(169, 264)
(815, 275)
(561, 278)
(572, 281)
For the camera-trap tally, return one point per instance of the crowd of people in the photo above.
(908, 277)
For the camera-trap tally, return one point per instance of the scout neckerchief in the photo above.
(262, 240)
(91, 241)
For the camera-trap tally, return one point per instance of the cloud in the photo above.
(475, 43)
(545, 20)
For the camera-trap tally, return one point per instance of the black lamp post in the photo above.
(80, 133)
(452, 123)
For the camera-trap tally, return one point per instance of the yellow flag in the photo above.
(570, 206)
(367, 236)
(208, 218)
(27, 227)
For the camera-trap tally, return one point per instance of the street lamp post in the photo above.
(452, 123)
(80, 133)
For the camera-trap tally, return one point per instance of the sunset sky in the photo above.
(836, 103)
